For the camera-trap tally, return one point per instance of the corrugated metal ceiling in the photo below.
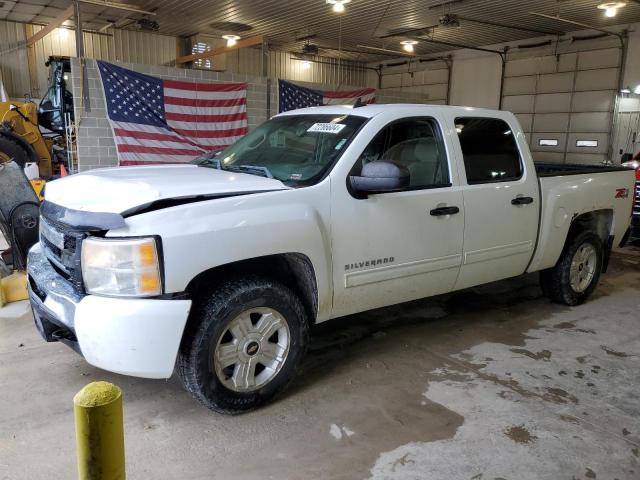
(284, 21)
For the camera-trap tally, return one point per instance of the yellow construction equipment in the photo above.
(22, 139)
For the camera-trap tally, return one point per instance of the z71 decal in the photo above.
(622, 193)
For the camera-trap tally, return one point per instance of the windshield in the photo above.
(295, 149)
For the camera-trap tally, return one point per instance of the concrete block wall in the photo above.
(96, 146)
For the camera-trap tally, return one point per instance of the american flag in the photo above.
(292, 97)
(170, 121)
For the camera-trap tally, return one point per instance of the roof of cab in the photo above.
(372, 110)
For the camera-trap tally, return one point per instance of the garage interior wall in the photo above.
(95, 145)
(566, 101)
(568, 89)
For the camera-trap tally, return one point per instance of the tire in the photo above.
(557, 283)
(10, 150)
(218, 325)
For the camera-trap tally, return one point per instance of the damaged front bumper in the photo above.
(138, 337)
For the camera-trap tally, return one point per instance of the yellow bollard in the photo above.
(99, 432)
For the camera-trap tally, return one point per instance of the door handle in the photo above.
(522, 201)
(436, 212)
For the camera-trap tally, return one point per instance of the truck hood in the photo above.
(118, 190)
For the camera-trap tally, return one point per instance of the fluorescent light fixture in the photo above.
(407, 45)
(338, 5)
(637, 90)
(548, 142)
(611, 8)
(587, 143)
(625, 90)
(231, 39)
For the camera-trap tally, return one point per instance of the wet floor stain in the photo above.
(542, 355)
(610, 351)
(520, 434)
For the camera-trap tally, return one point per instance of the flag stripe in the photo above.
(211, 133)
(201, 110)
(196, 102)
(123, 147)
(188, 117)
(205, 87)
(173, 92)
(222, 127)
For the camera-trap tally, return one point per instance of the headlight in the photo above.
(121, 267)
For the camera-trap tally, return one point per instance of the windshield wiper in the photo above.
(251, 169)
(209, 162)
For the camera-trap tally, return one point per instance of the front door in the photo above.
(398, 246)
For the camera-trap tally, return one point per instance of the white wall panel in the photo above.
(599, 79)
(605, 58)
(13, 61)
(553, 102)
(553, 157)
(485, 73)
(520, 85)
(593, 101)
(591, 122)
(555, 82)
(519, 103)
(586, 158)
(551, 122)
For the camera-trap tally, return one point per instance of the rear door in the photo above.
(501, 199)
(402, 245)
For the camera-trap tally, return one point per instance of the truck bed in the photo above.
(547, 169)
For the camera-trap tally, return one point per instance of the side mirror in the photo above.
(380, 176)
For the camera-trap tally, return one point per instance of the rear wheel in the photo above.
(243, 344)
(576, 274)
(10, 150)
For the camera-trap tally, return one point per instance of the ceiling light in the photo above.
(626, 90)
(306, 64)
(338, 5)
(407, 45)
(611, 8)
(637, 90)
(231, 39)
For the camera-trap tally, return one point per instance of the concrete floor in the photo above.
(486, 384)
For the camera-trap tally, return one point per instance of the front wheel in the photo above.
(576, 274)
(243, 344)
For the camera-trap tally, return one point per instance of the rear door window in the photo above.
(489, 149)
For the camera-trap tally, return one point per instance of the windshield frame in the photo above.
(213, 161)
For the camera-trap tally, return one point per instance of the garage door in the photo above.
(565, 103)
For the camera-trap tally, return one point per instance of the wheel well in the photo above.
(294, 270)
(598, 221)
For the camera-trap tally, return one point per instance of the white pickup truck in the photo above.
(218, 269)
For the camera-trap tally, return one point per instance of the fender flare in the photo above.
(5, 132)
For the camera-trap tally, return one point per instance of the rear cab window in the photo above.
(489, 150)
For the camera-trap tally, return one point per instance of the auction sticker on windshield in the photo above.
(326, 127)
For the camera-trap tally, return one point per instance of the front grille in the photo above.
(63, 250)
